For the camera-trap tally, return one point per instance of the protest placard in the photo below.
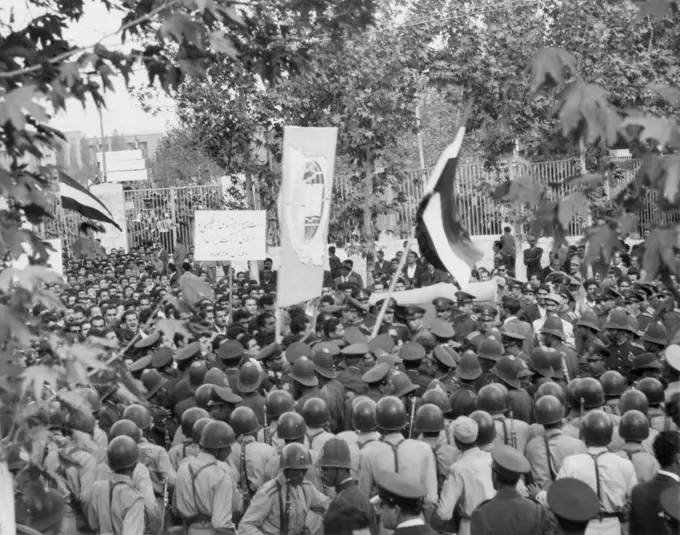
(230, 235)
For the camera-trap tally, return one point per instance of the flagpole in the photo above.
(393, 285)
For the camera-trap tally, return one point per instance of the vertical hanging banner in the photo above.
(113, 197)
(304, 211)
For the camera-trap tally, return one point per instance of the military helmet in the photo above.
(278, 402)
(589, 393)
(122, 453)
(390, 413)
(549, 410)
(492, 399)
(429, 419)
(197, 430)
(653, 389)
(243, 420)
(551, 388)
(203, 395)
(613, 383)
(634, 426)
(126, 428)
(363, 415)
(335, 454)
(315, 412)
(487, 427)
(138, 414)
(633, 400)
(597, 428)
(217, 435)
(291, 426)
(295, 456)
(190, 417)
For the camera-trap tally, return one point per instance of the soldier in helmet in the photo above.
(336, 471)
(429, 424)
(493, 399)
(588, 396)
(247, 455)
(468, 479)
(654, 338)
(293, 429)
(187, 448)
(277, 403)
(634, 429)
(206, 494)
(324, 368)
(350, 377)
(484, 329)
(653, 389)
(248, 387)
(436, 395)
(547, 453)
(115, 506)
(614, 384)
(154, 457)
(365, 428)
(633, 400)
(378, 380)
(317, 417)
(506, 371)
(609, 475)
(76, 468)
(464, 400)
(140, 474)
(486, 434)
(285, 504)
(645, 365)
(622, 349)
(394, 453)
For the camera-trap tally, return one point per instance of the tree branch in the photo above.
(66, 55)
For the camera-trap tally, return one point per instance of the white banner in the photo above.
(113, 197)
(230, 235)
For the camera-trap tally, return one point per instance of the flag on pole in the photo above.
(76, 197)
(442, 240)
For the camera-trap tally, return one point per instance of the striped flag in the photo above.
(76, 197)
(442, 240)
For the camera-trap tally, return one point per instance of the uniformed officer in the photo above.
(508, 512)
(154, 457)
(140, 474)
(329, 385)
(446, 360)
(76, 471)
(669, 504)
(206, 494)
(277, 403)
(443, 306)
(398, 331)
(366, 429)
(231, 354)
(412, 355)
(465, 321)
(317, 417)
(547, 453)
(378, 380)
(506, 371)
(468, 482)
(293, 429)
(634, 400)
(350, 377)
(614, 384)
(396, 454)
(493, 399)
(336, 471)
(436, 395)
(284, 504)
(609, 475)
(464, 400)
(248, 387)
(573, 504)
(247, 455)
(400, 504)
(653, 389)
(634, 429)
(429, 424)
(138, 367)
(484, 329)
(115, 506)
(621, 349)
(187, 448)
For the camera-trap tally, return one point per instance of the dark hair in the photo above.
(263, 317)
(666, 447)
(267, 300)
(330, 326)
(331, 250)
(345, 520)
(511, 304)
(348, 263)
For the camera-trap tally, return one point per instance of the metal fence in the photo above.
(149, 211)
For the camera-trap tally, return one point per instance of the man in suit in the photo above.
(381, 266)
(413, 271)
(508, 512)
(532, 257)
(535, 302)
(645, 504)
(400, 502)
(347, 275)
(334, 262)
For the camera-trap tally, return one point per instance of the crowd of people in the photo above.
(554, 410)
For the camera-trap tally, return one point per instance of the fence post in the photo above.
(173, 217)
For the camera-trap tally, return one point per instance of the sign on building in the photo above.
(123, 165)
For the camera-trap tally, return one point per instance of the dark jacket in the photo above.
(349, 495)
(509, 513)
(645, 506)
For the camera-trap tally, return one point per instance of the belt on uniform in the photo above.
(198, 519)
(604, 514)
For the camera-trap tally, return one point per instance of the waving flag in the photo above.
(442, 240)
(76, 197)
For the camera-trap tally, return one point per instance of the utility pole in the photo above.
(420, 137)
(101, 134)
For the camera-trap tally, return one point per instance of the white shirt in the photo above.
(673, 476)
(567, 327)
(411, 523)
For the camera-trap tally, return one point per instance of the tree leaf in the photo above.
(179, 27)
(659, 249)
(657, 9)
(670, 93)
(221, 43)
(24, 99)
(194, 289)
(571, 206)
(548, 67)
(602, 240)
(671, 178)
(520, 191)
(36, 377)
(171, 327)
(651, 128)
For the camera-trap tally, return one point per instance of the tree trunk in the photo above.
(7, 520)
(368, 222)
